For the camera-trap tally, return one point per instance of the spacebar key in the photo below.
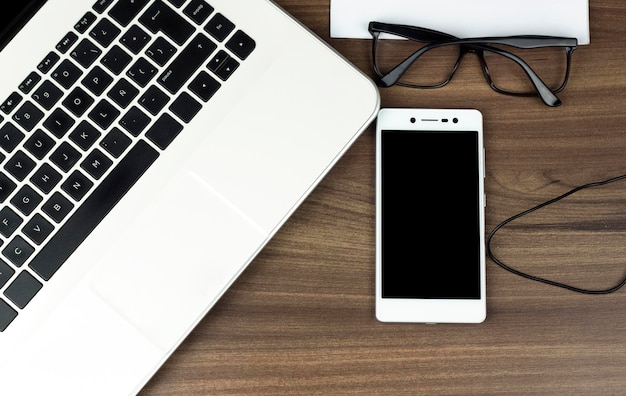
(89, 214)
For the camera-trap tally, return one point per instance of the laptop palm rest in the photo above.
(167, 283)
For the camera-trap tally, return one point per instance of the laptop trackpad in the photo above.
(174, 262)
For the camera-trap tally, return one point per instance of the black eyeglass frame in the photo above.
(476, 45)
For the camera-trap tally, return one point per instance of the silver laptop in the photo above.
(149, 150)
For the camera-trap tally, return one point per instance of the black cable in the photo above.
(543, 280)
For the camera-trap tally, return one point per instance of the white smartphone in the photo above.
(430, 216)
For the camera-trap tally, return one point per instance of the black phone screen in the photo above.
(430, 215)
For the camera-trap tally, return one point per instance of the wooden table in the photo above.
(301, 319)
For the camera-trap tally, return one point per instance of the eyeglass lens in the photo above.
(549, 63)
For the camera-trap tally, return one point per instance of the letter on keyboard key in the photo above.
(57, 207)
(38, 229)
(9, 221)
(18, 251)
(77, 185)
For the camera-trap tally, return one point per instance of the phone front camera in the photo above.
(412, 120)
(455, 120)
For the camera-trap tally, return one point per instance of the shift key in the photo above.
(186, 63)
(159, 17)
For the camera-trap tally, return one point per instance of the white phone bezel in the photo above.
(431, 310)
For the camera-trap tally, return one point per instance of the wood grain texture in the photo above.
(300, 320)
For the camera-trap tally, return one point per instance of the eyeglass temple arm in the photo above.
(544, 92)
(409, 32)
(429, 35)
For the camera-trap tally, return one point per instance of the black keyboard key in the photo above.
(185, 107)
(123, 92)
(28, 116)
(7, 315)
(26, 200)
(116, 59)
(48, 62)
(18, 251)
(198, 11)
(29, 82)
(141, 72)
(96, 164)
(102, 5)
(186, 63)
(97, 80)
(39, 144)
(161, 51)
(125, 11)
(57, 207)
(204, 86)
(104, 32)
(45, 178)
(177, 3)
(10, 137)
(103, 114)
(164, 131)
(78, 101)
(85, 135)
(6, 273)
(227, 68)
(159, 17)
(66, 42)
(135, 39)
(38, 229)
(115, 142)
(47, 95)
(7, 186)
(88, 215)
(241, 44)
(218, 60)
(19, 165)
(9, 221)
(77, 185)
(219, 27)
(134, 121)
(85, 22)
(153, 100)
(66, 74)
(59, 122)
(23, 289)
(65, 156)
(11, 102)
(85, 53)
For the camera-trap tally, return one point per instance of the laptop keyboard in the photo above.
(91, 118)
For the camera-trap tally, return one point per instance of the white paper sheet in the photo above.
(465, 18)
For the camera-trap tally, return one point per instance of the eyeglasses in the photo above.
(511, 65)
